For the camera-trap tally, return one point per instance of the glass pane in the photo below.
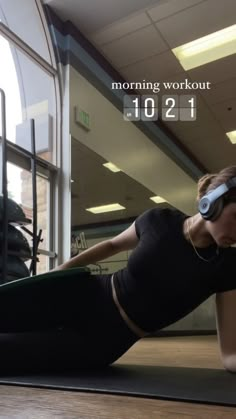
(14, 183)
(42, 265)
(27, 98)
(9, 83)
(14, 13)
(43, 211)
(20, 190)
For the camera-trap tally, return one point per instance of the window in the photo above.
(30, 84)
(28, 98)
(14, 14)
(21, 192)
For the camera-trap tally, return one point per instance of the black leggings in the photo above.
(62, 324)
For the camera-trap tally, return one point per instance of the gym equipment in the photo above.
(16, 242)
(16, 269)
(10, 211)
(210, 205)
(14, 212)
(200, 385)
(12, 266)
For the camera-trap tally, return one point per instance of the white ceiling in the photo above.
(91, 15)
(136, 37)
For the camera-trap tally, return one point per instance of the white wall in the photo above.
(126, 146)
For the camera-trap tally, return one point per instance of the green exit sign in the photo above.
(82, 118)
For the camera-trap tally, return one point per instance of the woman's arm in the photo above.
(94, 254)
(127, 240)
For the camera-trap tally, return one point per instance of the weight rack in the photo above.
(36, 238)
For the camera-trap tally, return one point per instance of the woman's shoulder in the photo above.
(162, 216)
(164, 212)
(167, 213)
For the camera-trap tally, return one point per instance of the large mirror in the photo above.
(114, 162)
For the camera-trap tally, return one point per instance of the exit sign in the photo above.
(82, 118)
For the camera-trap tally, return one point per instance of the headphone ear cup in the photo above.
(217, 208)
(210, 210)
(205, 207)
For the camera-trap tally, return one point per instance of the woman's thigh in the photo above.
(41, 351)
(72, 325)
(49, 304)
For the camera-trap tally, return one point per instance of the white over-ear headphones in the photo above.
(211, 204)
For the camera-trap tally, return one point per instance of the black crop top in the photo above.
(164, 279)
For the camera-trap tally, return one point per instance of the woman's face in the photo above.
(223, 229)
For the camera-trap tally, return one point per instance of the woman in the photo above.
(177, 262)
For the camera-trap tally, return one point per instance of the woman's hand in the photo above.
(230, 363)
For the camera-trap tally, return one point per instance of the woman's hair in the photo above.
(210, 181)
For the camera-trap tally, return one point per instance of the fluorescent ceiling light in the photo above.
(111, 167)
(157, 199)
(105, 208)
(207, 49)
(232, 136)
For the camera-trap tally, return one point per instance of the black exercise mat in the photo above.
(195, 385)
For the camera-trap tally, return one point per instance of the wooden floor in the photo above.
(194, 351)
